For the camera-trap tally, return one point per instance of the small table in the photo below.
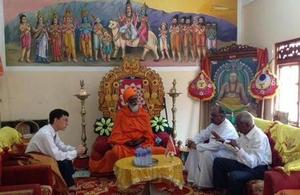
(169, 168)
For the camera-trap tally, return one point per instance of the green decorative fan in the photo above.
(103, 126)
(159, 124)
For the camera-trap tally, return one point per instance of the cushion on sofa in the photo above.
(266, 125)
(0, 167)
(164, 138)
(9, 136)
(288, 143)
(276, 158)
(288, 192)
(292, 166)
(263, 124)
(276, 180)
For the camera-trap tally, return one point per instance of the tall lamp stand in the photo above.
(82, 96)
(174, 94)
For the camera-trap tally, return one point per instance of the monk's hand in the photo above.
(217, 137)
(140, 140)
(137, 142)
(131, 143)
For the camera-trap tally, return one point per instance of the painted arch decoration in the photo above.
(232, 69)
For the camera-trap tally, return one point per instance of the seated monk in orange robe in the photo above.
(132, 129)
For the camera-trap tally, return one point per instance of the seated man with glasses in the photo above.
(199, 162)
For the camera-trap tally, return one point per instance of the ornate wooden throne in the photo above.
(131, 73)
(150, 95)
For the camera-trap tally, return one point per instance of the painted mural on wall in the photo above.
(232, 78)
(100, 33)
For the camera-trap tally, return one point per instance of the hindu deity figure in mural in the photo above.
(128, 22)
(68, 30)
(86, 36)
(126, 27)
(211, 34)
(163, 40)
(144, 25)
(41, 37)
(97, 38)
(182, 29)
(201, 38)
(194, 33)
(107, 45)
(187, 40)
(25, 38)
(56, 39)
(175, 38)
(232, 94)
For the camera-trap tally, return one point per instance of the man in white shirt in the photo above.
(252, 157)
(47, 141)
(201, 155)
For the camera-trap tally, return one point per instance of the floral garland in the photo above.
(159, 124)
(103, 126)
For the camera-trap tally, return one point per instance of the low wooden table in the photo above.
(169, 168)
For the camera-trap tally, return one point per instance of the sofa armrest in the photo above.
(276, 180)
(27, 174)
(20, 189)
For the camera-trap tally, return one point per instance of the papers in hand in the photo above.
(230, 147)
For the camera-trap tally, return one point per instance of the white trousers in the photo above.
(199, 166)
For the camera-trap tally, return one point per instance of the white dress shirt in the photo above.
(254, 148)
(200, 161)
(47, 141)
(225, 130)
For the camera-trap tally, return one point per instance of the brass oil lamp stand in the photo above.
(174, 94)
(82, 96)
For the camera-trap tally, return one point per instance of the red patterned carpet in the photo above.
(107, 186)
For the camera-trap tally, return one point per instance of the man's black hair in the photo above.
(57, 113)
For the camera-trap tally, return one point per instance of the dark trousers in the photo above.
(233, 176)
(66, 169)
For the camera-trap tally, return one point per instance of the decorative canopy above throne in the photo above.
(131, 73)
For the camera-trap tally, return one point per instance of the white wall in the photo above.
(31, 92)
(269, 21)
(266, 22)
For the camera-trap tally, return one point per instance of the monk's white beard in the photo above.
(134, 108)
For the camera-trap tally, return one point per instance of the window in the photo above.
(288, 64)
(288, 98)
